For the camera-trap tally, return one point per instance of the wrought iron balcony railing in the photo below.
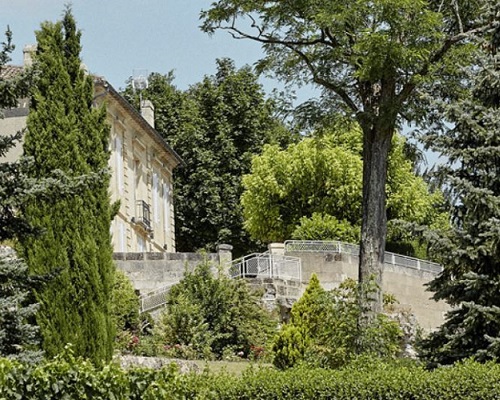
(143, 215)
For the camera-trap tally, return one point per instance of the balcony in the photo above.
(142, 215)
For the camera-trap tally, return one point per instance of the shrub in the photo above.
(125, 303)
(325, 227)
(209, 313)
(323, 330)
(366, 378)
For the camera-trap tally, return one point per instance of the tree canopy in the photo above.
(313, 190)
(66, 132)
(216, 126)
(373, 60)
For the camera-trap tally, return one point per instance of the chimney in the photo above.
(28, 53)
(148, 112)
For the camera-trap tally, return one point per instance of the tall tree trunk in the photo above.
(376, 146)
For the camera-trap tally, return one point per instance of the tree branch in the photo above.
(323, 82)
(292, 45)
(457, 15)
(262, 38)
(436, 57)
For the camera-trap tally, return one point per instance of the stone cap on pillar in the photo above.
(225, 256)
(277, 248)
(224, 248)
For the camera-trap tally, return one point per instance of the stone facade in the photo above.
(141, 165)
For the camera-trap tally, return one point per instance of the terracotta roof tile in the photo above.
(10, 71)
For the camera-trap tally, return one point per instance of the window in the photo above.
(156, 195)
(166, 208)
(119, 163)
(141, 244)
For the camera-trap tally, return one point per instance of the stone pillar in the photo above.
(148, 112)
(225, 257)
(277, 248)
(28, 52)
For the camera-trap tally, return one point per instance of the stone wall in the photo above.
(152, 271)
(406, 284)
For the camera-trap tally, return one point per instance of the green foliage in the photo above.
(365, 379)
(289, 346)
(184, 324)
(312, 190)
(19, 338)
(216, 126)
(210, 313)
(18, 335)
(125, 303)
(308, 312)
(65, 132)
(470, 252)
(13, 182)
(325, 227)
(376, 62)
(323, 330)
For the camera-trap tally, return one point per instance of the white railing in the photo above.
(353, 249)
(267, 265)
(155, 299)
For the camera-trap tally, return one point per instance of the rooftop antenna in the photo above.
(139, 81)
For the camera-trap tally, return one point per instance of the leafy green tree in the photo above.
(470, 253)
(216, 127)
(312, 190)
(373, 60)
(65, 132)
(308, 312)
(207, 311)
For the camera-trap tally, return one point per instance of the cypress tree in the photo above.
(470, 254)
(65, 132)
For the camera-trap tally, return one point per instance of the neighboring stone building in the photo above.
(141, 164)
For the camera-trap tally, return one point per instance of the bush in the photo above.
(209, 314)
(289, 346)
(125, 303)
(66, 377)
(323, 330)
(326, 227)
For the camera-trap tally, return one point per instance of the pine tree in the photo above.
(18, 337)
(470, 281)
(67, 133)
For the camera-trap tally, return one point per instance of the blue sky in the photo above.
(119, 37)
(123, 36)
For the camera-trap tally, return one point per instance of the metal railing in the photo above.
(353, 249)
(154, 300)
(265, 265)
(143, 214)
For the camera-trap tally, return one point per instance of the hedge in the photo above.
(69, 378)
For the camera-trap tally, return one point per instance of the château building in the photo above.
(141, 164)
